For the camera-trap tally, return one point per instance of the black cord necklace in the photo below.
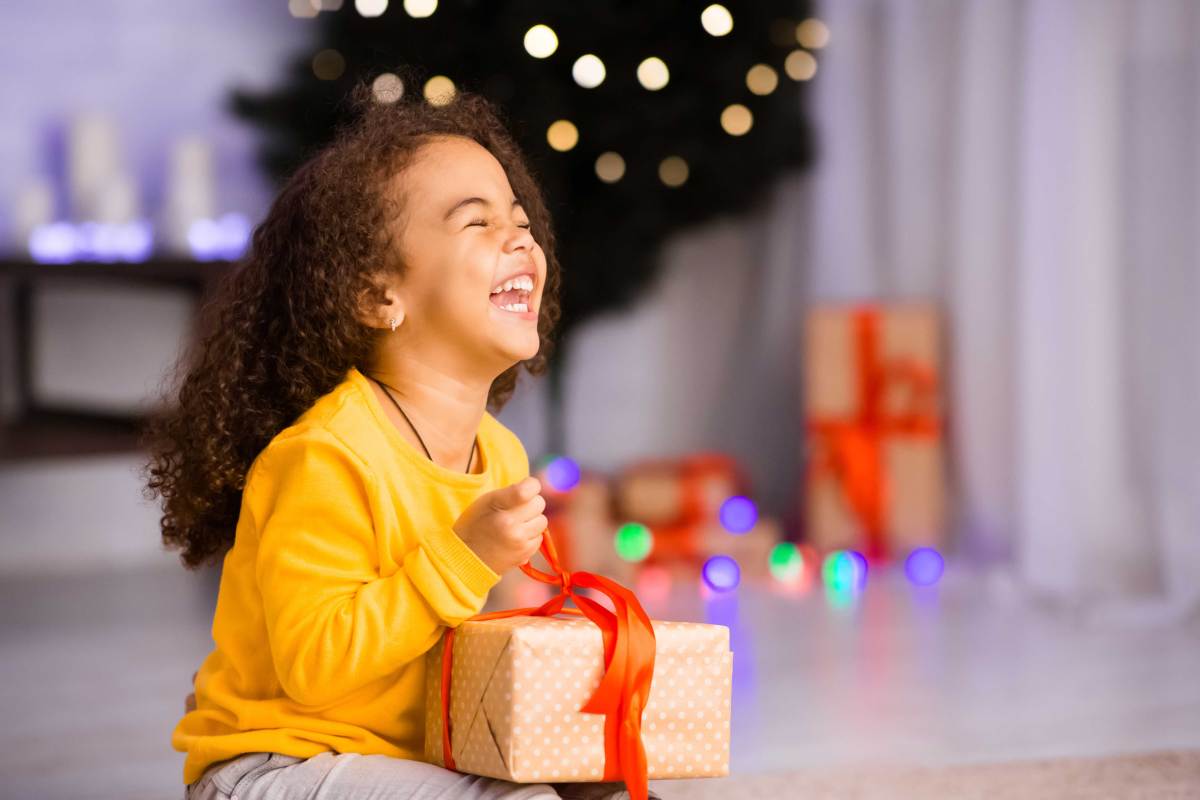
(388, 391)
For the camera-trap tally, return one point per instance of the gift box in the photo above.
(518, 684)
(527, 696)
(875, 475)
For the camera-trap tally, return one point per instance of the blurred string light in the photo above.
(327, 5)
(721, 573)
(786, 563)
(761, 79)
(736, 119)
(924, 566)
(439, 90)
(653, 583)
(541, 41)
(633, 541)
(652, 73)
(328, 65)
(562, 135)
(738, 514)
(419, 9)
(812, 33)
(610, 167)
(844, 571)
(673, 171)
(370, 8)
(588, 71)
(302, 9)
(62, 242)
(562, 473)
(716, 20)
(387, 88)
(800, 65)
(224, 238)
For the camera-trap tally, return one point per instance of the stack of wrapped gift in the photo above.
(875, 478)
(518, 684)
(679, 500)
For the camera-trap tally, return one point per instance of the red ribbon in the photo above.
(624, 689)
(853, 446)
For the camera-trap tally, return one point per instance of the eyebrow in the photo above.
(466, 201)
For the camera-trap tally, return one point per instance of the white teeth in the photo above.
(522, 282)
(517, 307)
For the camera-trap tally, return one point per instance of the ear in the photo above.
(379, 304)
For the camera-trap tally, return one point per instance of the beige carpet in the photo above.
(1152, 775)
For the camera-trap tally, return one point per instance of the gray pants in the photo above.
(353, 776)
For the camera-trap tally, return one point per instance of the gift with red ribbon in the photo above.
(874, 479)
(606, 694)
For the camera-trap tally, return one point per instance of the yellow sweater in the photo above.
(345, 570)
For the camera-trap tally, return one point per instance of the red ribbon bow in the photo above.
(624, 689)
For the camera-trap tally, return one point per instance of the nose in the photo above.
(519, 238)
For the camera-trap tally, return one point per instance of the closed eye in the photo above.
(483, 222)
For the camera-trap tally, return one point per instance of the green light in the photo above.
(633, 541)
(840, 571)
(786, 562)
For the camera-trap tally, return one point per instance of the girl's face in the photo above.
(463, 234)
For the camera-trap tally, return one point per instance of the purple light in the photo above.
(738, 514)
(53, 243)
(562, 473)
(924, 566)
(62, 242)
(225, 238)
(861, 573)
(721, 573)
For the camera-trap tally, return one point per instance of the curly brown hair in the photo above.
(281, 329)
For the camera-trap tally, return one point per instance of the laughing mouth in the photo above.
(514, 294)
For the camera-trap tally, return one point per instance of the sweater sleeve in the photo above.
(333, 624)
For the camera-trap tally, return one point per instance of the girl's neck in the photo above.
(444, 409)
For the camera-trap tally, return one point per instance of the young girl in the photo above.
(332, 442)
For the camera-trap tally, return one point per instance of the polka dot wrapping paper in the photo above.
(518, 684)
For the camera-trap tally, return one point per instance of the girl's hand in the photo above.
(504, 527)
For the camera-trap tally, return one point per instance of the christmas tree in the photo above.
(639, 118)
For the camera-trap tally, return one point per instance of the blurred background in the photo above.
(880, 346)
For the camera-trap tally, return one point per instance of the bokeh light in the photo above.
(924, 566)
(562, 473)
(328, 65)
(653, 584)
(786, 562)
(736, 119)
(588, 71)
(562, 135)
(721, 573)
(812, 33)
(370, 8)
(419, 9)
(387, 88)
(716, 20)
(800, 65)
(633, 541)
(652, 73)
(738, 514)
(610, 167)
(761, 79)
(844, 571)
(440, 90)
(673, 171)
(541, 41)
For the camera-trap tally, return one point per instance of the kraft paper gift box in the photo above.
(518, 683)
(875, 479)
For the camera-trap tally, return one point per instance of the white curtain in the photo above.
(1034, 167)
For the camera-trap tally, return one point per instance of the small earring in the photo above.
(393, 322)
